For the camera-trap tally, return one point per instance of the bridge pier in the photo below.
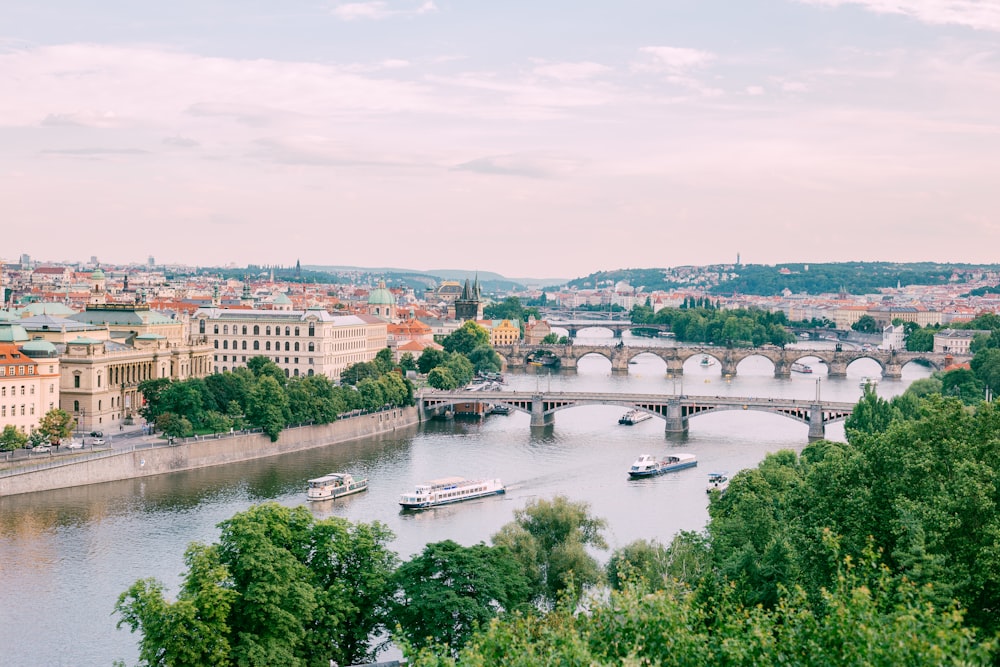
(838, 369)
(893, 371)
(817, 429)
(728, 367)
(675, 367)
(567, 362)
(782, 369)
(538, 416)
(677, 421)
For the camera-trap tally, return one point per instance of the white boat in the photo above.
(717, 481)
(634, 417)
(449, 490)
(868, 382)
(648, 465)
(334, 485)
(706, 360)
(801, 368)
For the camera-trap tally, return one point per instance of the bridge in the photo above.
(675, 410)
(617, 326)
(837, 361)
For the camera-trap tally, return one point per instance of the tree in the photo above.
(174, 425)
(449, 591)
(441, 378)
(484, 359)
(872, 414)
(12, 438)
(268, 406)
(466, 338)
(641, 563)
(151, 390)
(549, 539)
(186, 399)
(407, 362)
(261, 366)
(986, 367)
(461, 369)
(865, 324)
(431, 358)
(57, 425)
(550, 339)
(921, 340)
(963, 384)
(279, 588)
(384, 360)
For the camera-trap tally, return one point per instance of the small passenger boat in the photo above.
(649, 466)
(717, 481)
(633, 417)
(706, 360)
(500, 410)
(334, 485)
(867, 382)
(449, 490)
(801, 368)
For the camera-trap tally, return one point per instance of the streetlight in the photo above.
(817, 388)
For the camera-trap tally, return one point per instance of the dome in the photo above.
(47, 308)
(380, 296)
(12, 333)
(7, 316)
(97, 274)
(39, 348)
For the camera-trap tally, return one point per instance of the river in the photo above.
(66, 555)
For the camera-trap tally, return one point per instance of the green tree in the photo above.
(279, 588)
(384, 360)
(312, 399)
(186, 399)
(921, 340)
(268, 406)
(372, 395)
(407, 362)
(550, 339)
(872, 414)
(174, 425)
(57, 425)
(151, 390)
(449, 591)
(466, 338)
(225, 388)
(962, 383)
(986, 367)
(550, 540)
(261, 366)
(12, 438)
(461, 369)
(484, 358)
(441, 378)
(641, 563)
(431, 358)
(866, 324)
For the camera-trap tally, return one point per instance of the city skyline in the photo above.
(525, 140)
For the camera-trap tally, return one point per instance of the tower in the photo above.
(468, 305)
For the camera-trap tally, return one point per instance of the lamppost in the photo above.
(817, 389)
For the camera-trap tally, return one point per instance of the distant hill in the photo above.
(489, 281)
(771, 280)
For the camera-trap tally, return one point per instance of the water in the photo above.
(66, 555)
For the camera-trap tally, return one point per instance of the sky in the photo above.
(541, 138)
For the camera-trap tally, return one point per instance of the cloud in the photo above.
(530, 166)
(579, 71)
(95, 151)
(98, 119)
(755, 90)
(181, 142)
(978, 14)
(378, 10)
(671, 59)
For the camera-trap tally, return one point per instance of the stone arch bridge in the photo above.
(674, 410)
(837, 361)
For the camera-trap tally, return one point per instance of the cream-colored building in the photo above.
(502, 332)
(301, 342)
(956, 341)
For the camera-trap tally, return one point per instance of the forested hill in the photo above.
(763, 279)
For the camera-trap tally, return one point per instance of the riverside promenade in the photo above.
(139, 455)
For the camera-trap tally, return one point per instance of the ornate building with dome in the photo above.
(382, 303)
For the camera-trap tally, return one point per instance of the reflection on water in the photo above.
(66, 555)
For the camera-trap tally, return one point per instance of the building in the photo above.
(469, 306)
(535, 331)
(502, 332)
(381, 303)
(301, 342)
(29, 378)
(894, 337)
(956, 341)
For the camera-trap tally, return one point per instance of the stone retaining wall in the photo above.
(205, 453)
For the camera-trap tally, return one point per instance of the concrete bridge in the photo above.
(837, 361)
(573, 327)
(674, 410)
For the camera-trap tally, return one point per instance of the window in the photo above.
(256, 330)
(98, 379)
(286, 346)
(244, 345)
(296, 331)
(215, 329)
(216, 344)
(288, 332)
(312, 328)
(76, 406)
(235, 346)
(225, 345)
(201, 326)
(244, 330)
(99, 405)
(267, 346)
(256, 345)
(76, 381)
(296, 346)
(31, 370)
(268, 331)
(225, 328)
(312, 347)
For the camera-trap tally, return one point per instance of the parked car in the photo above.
(97, 434)
(41, 449)
(97, 441)
(75, 444)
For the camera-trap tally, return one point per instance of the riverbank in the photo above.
(148, 459)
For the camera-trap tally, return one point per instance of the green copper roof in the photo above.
(12, 333)
(380, 296)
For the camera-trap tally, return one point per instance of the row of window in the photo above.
(13, 410)
(267, 346)
(31, 388)
(256, 329)
(287, 373)
(15, 370)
